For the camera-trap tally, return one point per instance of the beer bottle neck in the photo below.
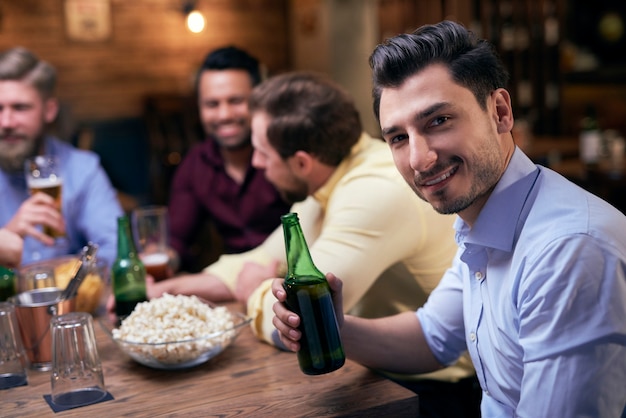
(299, 262)
(125, 244)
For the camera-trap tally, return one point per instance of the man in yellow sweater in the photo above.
(307, 136)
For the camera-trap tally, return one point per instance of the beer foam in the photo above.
(42, 183)
(154, 259)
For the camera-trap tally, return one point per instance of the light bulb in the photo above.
(195, 21)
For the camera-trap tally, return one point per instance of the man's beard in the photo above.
(243, 144)
(486, 175)
(12, 157)
(449, 206)
(296, 194)
(231, 144)
(292, 197)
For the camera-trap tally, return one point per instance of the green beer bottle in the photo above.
(308, 295)
(128, 274)
(8, 284)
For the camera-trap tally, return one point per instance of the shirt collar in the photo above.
(499, 220)
(211, 152)
(323, 193)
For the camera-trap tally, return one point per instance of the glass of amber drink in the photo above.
(150, 230)
(42, 175)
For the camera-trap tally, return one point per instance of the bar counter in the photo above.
(249, 379)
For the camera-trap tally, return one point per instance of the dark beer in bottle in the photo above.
(308, 295)
(128, 274)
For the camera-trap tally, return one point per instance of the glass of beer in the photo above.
(150, 229)
(42, 175)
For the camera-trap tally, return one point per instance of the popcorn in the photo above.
(175, 329)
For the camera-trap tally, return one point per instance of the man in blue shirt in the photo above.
(89, 202)
(537, 290)
(11, 246)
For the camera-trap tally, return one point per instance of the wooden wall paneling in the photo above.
(403, 16)
(150, 50)
(428, 12)
(104, 86)
(396, 17)
(459, 10)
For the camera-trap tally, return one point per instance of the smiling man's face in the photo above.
(24, 114)
(223, 102)
(447, 148)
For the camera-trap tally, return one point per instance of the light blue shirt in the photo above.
(89, 205)
(537, 294)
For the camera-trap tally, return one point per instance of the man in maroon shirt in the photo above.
(216, 180)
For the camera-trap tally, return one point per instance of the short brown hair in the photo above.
(308, 112)
(20, 64)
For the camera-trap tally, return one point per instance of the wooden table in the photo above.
(249, 379)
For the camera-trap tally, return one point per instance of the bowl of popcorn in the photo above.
(177, 332)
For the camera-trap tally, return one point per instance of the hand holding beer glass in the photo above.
(42, 175)
(150, 229)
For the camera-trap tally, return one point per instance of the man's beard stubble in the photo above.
(12, 157)
(292, 197)
(296, 194)
(242, 143)
(486, 175)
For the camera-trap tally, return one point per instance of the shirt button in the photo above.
(472, 337)
(478, 275)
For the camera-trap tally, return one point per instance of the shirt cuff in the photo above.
(260, 305)
(277, 342)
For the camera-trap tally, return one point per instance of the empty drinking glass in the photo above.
(76, 377)
(13, 361)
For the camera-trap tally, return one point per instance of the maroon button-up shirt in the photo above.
(243, 214)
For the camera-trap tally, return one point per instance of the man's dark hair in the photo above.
(473, 63)
(232, 58)
(308, 112)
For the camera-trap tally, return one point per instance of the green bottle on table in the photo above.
(128, 274)
(8, 284)
(308, 295)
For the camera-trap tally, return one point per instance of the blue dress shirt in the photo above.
(89, 205)
(537, 294)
